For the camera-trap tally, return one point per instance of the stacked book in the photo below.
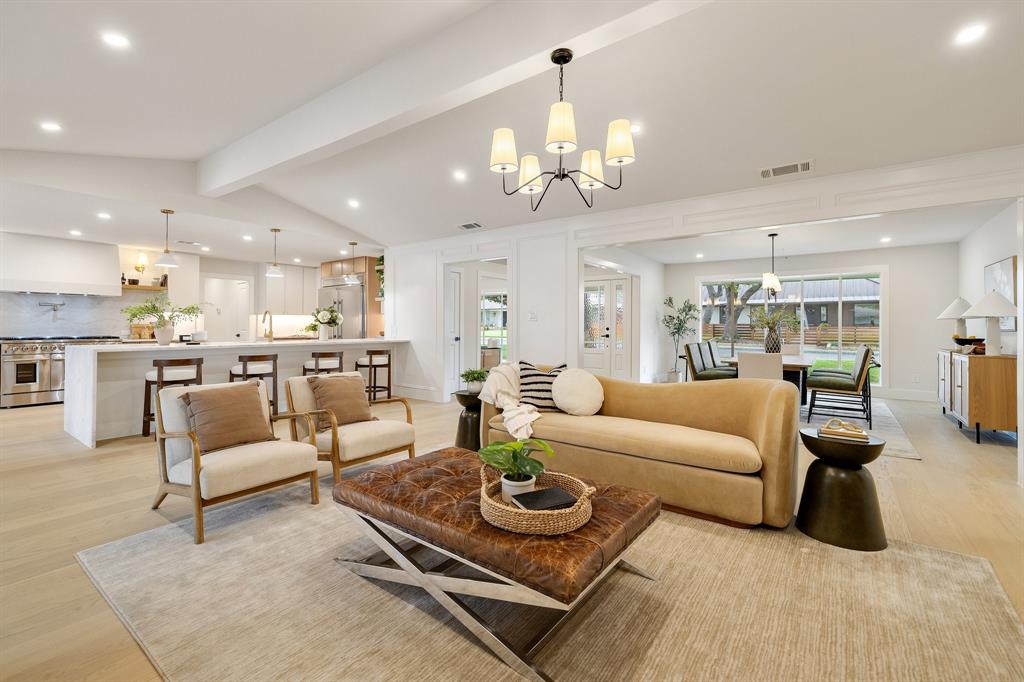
(840, 430)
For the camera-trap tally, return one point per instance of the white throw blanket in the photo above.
(502, 390)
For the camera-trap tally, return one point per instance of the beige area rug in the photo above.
(264, 600)
(886, 427)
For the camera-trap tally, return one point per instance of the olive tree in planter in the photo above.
(677, 323)
(162, 314)
(518, 470)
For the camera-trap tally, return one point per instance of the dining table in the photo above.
(794, 370)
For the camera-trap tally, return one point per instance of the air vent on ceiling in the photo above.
(188, 243)
(470, 226)
(788, 169)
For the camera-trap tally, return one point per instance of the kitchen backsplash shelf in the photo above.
(142, 287)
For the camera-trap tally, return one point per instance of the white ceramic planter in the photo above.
(164, 335)
(325, 332)
(510, 488)
(674, 377)
(475, 386)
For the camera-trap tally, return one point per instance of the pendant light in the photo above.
(352, 278)
(167, 259)
(274, 270)
(769, 280)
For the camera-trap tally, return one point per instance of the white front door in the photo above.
(606, 327)
(452, 330)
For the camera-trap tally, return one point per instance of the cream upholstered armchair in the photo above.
(348, 444)
(231, 472)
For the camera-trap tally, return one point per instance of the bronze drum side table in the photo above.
(468, 434)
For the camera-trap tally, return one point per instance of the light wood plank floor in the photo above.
(58, 497)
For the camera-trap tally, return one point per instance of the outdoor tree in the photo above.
(735, 302)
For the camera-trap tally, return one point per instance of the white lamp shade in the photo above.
(274, 270)
(503, 151)
(619, 149)
(591, 172)
(955, 310)
(770, 280)
(166, 260)
(561, 136)
(529, 174)
(993, 304)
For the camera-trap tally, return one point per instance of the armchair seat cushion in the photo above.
(833, 382)
(717, 373)
(246, 466)
(649, 440)
(362, 439)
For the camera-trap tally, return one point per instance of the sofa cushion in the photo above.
(650, 440)
(342, 394)
(535, 386)
(227, 416)
(363, 439)
(831, 382)
(577, 391)
(246, 466)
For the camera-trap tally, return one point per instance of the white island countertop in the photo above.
(105, 383)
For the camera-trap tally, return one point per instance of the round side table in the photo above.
(468, 434)
(839, 505)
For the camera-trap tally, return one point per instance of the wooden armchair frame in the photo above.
(334, 454)
(193, 491)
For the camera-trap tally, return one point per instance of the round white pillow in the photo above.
(577, 392)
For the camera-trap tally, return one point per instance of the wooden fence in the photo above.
(817, 336)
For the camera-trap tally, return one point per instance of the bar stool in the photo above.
(257, 367)
(324, 363)
(180, 371)
(375, 360)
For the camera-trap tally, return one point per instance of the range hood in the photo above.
(58, 266)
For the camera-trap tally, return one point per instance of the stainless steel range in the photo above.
(32, 368)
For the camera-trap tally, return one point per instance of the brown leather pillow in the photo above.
(226, 417)
(345, 396)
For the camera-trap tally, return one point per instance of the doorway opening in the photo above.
(227, 315)
(476, 317)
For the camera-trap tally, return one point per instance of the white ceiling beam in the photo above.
(498, 46)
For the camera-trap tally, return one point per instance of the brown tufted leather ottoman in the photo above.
(433, 501)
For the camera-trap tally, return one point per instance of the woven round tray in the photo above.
(529, 522)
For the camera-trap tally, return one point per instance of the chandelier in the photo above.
(561, 140)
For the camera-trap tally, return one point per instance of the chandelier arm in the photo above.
(590, 204)
(542, 194)
(508, 193)
(618, 186)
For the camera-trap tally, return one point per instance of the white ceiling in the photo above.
(904, 228)
(52, 213)
(198, 74)
(721, 92)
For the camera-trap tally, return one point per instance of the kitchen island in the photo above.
(104, 384)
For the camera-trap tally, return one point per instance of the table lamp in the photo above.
(955, 311)
(992, 306)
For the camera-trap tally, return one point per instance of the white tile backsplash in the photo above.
(21, 314)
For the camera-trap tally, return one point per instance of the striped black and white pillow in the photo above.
(535, 386)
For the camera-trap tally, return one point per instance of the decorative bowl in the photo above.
(968, 342)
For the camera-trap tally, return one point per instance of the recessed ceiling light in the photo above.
(343, 252)
(353, 203)
(51, 126)
(636, 128)
(970, 34)
(103, 215)
(116, 41)
(247, 237)
(205, 248)
(75, 233)
(297, 260)
(459, 175)
(700, 255)
(885, 240)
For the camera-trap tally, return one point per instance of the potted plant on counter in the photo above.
(323, 318)
(163, 315)
(474, 379)
(518, 470)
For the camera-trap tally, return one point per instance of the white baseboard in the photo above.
(428, 393)
(904, 394)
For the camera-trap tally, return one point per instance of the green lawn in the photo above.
(847, 365)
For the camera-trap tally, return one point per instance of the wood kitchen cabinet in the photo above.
(981, 390)
(366, 267)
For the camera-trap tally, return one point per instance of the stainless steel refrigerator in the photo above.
(346, 295)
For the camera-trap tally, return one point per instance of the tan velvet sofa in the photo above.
(724, 449)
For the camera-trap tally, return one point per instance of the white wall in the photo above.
(917, 283)
(992, 242)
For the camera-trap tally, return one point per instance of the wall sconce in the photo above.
(141, 263)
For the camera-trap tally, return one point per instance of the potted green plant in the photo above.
(678, 322)
(162, 314)
(474, 379)
(518, 470)
(774, 321)
(322, 319)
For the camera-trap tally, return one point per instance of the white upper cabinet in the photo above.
(293, 294)
(310, 279)
(292, 290)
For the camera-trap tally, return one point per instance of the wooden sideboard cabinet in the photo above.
(979, 390)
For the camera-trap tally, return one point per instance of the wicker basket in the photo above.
(529, 522)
